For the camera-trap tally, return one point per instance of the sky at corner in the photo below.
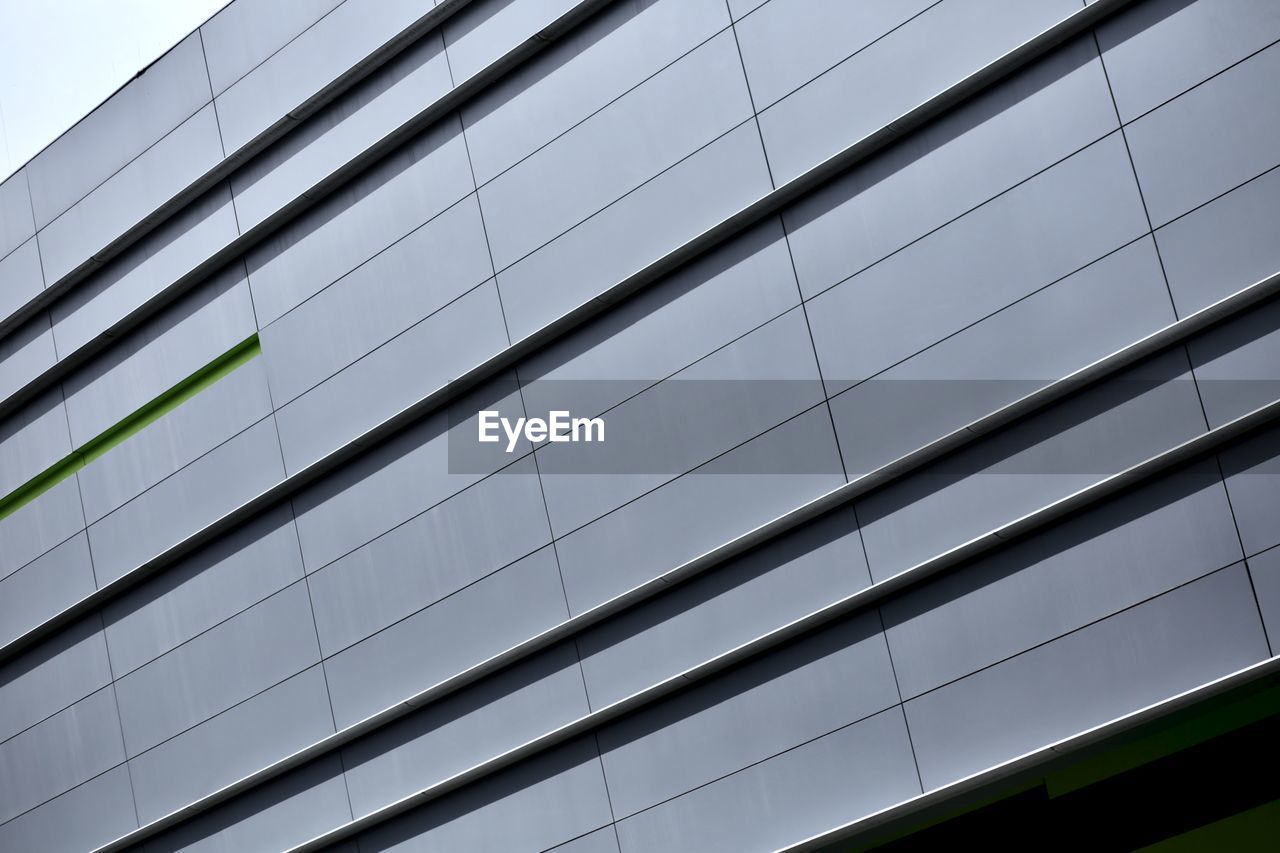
(61, 58)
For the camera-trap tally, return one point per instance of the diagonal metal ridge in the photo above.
(1069, 27)
(430, 20)
(770, 203)
(1036, 401)
(869, 596)
(230, 251)
(936, 802)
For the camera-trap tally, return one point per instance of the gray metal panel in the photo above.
(482, 32)
(341, 130)
(276, 816)
(1253, 481)
(792, 695)
(580, 73)
(365, 216)
(167, 349)
(200, 424)
(483, 528)
(1181, 154)
(21, 278)
(601, 841)
(378, 300)
(664, 213)
(1134, 415)
(186, 154)
(39, 525)
(246, 32)
(143, 270)
(1086, 316)
(47, 585)
(243, 656)
(411, 655)
(68, 748)
(910, 65)
(789, 42)
(421, 569)
(746, 487)
(1145, 543)
(849, 773)
(647, 130)
(1224, 246)
(1148, 653)
(304, 66)
(438, 349)
(1237, 364)
(729, 397)
(1158, 49)
(1264, 569)
(16, 224)
(169, 512)
(715, 612)
(987, 145)
(32, 439)
(665, 327)
(1044, 229)
(391, 484)
(219, 581)
(25, 353)
(82, 819)
(740, 8)
(150, 105)
(535, 805)
(501, 712)
(233, 744)
(52, 676)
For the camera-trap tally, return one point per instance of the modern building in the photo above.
(939, 492)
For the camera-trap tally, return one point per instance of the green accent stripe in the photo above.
(131, 425)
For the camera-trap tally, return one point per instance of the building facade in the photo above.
(938, 494)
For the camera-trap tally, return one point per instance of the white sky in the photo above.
(61, 58)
